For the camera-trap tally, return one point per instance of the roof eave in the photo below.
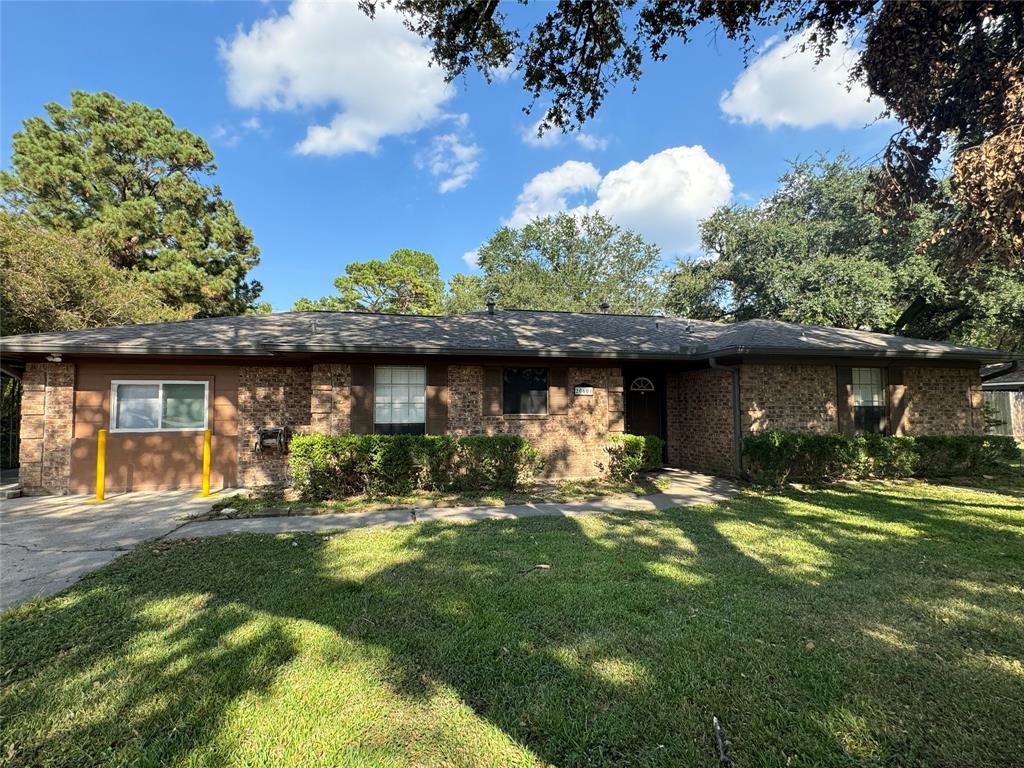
(694, 353)
(832, 352)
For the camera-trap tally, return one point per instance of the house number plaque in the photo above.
(583, 390)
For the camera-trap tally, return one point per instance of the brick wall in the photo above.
(47, 427)
(573, 442)
(793, 398)
(699, 420)
(941, 401)
(331, 407)
(274, 396)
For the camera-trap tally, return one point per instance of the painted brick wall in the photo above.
(573, 442)
(272, 396)
(699, 420)
(47, 427)
(941, 401)
(793, 398)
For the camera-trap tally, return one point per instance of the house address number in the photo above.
(583, 390)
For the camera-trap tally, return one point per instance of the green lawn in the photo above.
(877, 625)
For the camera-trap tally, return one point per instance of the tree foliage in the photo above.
(813, 253)
(407, 282)
(951, 72)
(571, 263)
(62, 281)
(124, 176)
(466, 293)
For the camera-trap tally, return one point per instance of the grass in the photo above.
(873, 625)
(274, 500)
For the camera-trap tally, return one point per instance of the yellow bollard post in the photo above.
(207, 442)
(101, 466)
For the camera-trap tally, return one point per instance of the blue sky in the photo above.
(337, 143)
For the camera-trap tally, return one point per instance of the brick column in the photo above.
(331, 398)
(616, 401)
(47, 426)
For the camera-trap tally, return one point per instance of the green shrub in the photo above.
(775, 457)
(335, 466)
(948, 456)
(630, 454)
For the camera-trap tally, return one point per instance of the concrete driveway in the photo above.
(48, 542)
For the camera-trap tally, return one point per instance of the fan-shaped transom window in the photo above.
(641, 384)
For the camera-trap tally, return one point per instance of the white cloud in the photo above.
(504, 74)
(550, 138)
(375, 73)
(663, 197)
(451, 160)
(553, 137)
(591, 142)
(229, 135)
(783, 86)
(472, 259)
(548, 192)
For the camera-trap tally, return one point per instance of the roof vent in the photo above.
(490, 305)
(689, 327)
(604, 306)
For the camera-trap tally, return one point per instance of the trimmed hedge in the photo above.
(630, 454)
(335, 466)
(775, 457)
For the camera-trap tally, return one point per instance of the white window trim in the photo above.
(112, 418)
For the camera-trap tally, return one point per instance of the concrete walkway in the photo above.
(685, 489)
(49, 542)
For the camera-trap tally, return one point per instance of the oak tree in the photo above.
(952, 73)
(407, 282)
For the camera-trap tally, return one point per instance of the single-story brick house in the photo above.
(565, 381)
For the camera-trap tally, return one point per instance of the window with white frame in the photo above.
(158, 406)
(399, 400)
(868, 400)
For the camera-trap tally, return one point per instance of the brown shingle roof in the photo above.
(505, 333)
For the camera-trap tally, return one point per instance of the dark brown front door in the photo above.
(644, 397)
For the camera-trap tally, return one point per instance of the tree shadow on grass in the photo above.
(827, 627)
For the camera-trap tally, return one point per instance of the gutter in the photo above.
(737, 422)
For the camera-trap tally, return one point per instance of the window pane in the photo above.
(525, 390)
(867, 387)
(869, 419)
(184, 406)
(398, 394)
(138, 406)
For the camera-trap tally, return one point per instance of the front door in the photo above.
(644, 397)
